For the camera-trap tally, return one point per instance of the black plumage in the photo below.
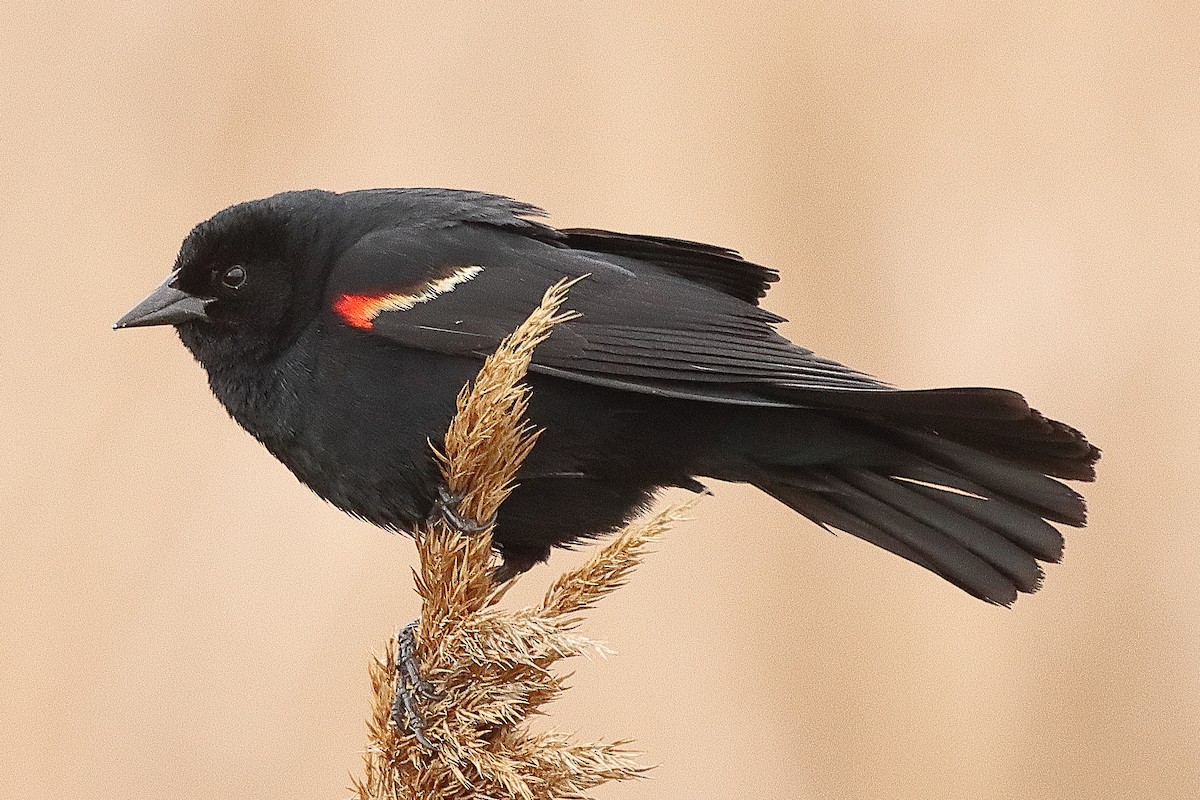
(338, 328)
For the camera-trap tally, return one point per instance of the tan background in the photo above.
(1004, 197)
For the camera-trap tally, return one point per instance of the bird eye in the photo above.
(234, 277)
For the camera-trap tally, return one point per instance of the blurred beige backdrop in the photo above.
(954, 197)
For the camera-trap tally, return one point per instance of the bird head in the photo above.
(244, 278)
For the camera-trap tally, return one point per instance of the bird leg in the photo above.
(410, 687)
(445, 508)
(515, 561)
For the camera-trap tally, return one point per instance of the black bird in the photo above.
(338, 329)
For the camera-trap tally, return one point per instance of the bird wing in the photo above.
(716, 267)
(459, 289)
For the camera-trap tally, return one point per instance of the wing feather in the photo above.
(643, 326)
(717, 267)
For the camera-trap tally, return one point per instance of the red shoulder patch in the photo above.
(359, 310)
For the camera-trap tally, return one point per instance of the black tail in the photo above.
(962, 483)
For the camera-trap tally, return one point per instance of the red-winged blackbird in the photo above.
(338, 329)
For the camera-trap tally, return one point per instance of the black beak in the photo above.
(166, 305)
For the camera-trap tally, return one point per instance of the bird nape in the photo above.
(338, 329)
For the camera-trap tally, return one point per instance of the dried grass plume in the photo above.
(493, 667)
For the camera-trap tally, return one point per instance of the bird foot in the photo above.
(445, 508)
(411, 687)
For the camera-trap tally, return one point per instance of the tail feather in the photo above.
(961, 483)
(992, 546)
(1036, 442)
(820, 508)
(1023, 528)
(996, 421)
(1029, 487)
(847, 508)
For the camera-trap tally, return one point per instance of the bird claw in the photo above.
(446, 508)
(411, 687)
